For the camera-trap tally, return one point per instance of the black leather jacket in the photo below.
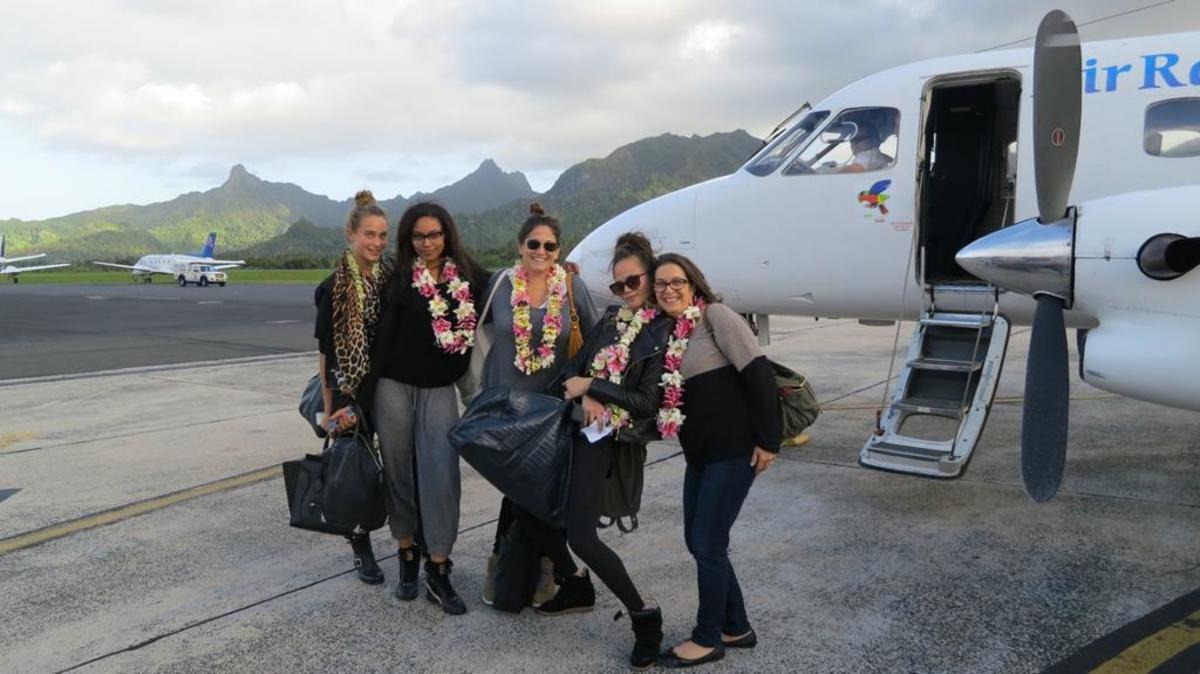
(639, 392)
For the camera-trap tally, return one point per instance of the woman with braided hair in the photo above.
(347, 314)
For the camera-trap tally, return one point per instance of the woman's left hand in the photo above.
(762, 460)
(576, 387)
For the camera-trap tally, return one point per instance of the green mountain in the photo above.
(590, 193)
(274, 223)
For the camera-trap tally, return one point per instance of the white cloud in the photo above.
(535, 84)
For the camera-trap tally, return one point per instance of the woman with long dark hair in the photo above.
(426, 332)
(347, 315)
(615, 377)
(716, 372)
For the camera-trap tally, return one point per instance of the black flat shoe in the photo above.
(670, 660)
(747, 640)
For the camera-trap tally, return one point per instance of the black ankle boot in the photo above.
(647, 636)
(575, 595)
(410, 567)
(438, 589)
(364, 559)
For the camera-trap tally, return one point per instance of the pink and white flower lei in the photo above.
(527, 360)
(610, 362)
(670, 417)
(459, 337)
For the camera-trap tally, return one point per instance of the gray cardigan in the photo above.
(498, 369)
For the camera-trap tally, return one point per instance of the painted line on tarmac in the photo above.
(121, 513)
(279, 595)
(142, 369)
(1164, 641)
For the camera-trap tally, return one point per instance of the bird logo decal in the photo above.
(874, 197)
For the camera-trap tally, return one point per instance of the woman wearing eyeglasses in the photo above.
(426, 333)
(719, 399)
(531, 316)
(615, 376)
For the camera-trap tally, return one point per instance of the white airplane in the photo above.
(861, 206)
(200, 268)
(7, 269)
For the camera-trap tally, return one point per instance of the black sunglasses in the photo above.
(633, 282)
(534, 244)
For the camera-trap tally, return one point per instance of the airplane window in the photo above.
(1173, 128)
(769, 159)
(860, 140)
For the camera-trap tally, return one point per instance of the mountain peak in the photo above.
(489, 165)
(239, 174)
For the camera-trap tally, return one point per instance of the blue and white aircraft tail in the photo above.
(210, 246)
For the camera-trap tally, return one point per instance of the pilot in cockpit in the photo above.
(865, 146)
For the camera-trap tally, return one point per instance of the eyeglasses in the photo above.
(675, 284)
(633, 282)
(534, 244)
(431, 237)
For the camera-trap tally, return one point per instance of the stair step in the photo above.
(908, 451)
(935, 406)
(964, 321)
(945, 365)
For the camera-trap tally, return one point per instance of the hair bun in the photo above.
(364, 198)
(536, 209)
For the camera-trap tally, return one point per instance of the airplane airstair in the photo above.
(942, 397)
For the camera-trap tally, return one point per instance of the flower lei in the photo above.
(610, 362)
(457, 338)
(670, 417)
(528, 360)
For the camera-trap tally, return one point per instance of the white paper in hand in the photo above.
(597, 431)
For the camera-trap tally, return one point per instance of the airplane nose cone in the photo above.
(1029, 257)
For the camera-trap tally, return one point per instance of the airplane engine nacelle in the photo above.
(1154, 362)
(1147, 345)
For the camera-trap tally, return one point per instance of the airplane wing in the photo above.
(24, 258)
(134, 267)
(228, 264)
(223, 267)
(22, 270)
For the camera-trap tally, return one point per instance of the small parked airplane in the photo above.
(7, 269)
(958, 150)
(200, 268)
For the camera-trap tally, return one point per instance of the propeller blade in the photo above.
(1044, 424)
(1057, 100)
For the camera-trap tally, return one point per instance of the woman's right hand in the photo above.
(341, 420)
(592, 410)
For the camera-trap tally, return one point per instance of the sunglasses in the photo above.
(675, 284)
(633, 282)
(534, 244)
(432, 237)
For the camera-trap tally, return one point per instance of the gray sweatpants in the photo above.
(410, 419)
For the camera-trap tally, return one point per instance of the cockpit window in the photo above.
(1173, 128)
(859, 140)
(771, 156)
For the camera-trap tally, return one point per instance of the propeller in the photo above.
(1057, 66)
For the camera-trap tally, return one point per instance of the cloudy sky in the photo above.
(134, 101)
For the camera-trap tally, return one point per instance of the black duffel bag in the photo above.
(520, 442)
(338, 491)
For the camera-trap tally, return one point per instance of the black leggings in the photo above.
(589, 466)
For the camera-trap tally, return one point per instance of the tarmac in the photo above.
(143, 525)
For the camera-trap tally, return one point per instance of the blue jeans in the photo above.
(713, 494)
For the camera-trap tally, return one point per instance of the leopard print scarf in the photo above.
(355, 316)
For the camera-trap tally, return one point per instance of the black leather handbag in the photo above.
(521, 443)
(339, 491)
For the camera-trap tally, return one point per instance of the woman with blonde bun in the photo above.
(347, 314)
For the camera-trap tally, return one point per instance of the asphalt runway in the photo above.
(72, 329)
